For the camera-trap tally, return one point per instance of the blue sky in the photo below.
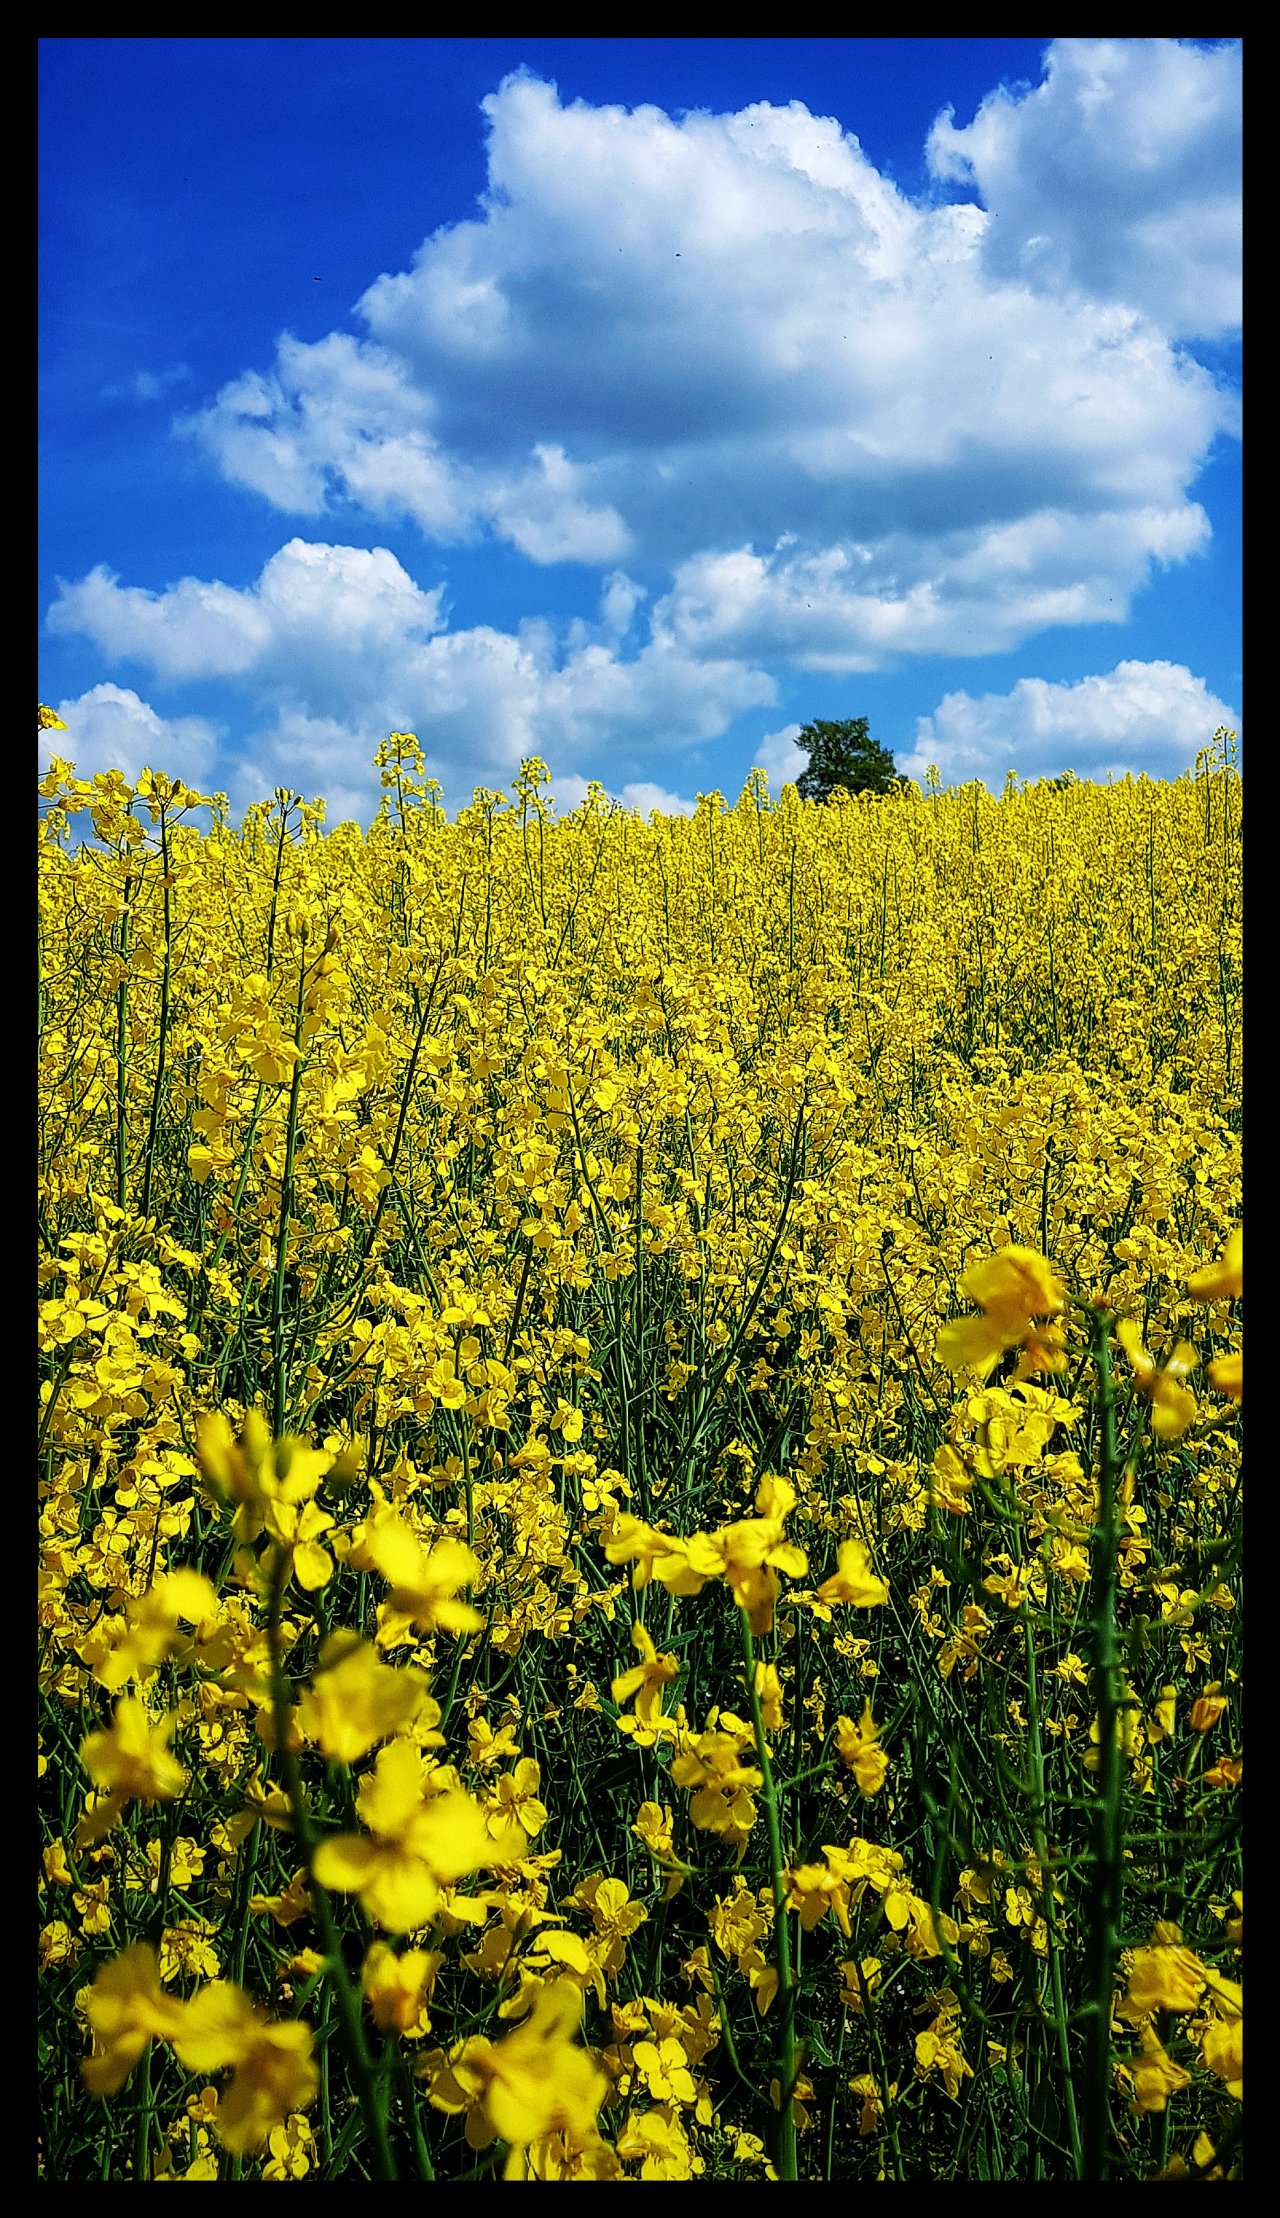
(632, 402)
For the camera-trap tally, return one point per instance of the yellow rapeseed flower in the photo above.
(417, 1843)
(536, 2082)
(1173, 1406)
(273, 2069)
(151, 1626)
(1226, 1375)
(355, 1700)
(722, 1786)
(127, 2008)
(1222, 1280)
(130, 1761)
(1164, 1978)
(1015, 1288)
(859, 1747)
(1154, 2074)
(754, 1550)
(398, 1988)
(423, 1581)
(853, 1579)
(645, 1681)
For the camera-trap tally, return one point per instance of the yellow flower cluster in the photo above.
(488, 1269)
(273, 2072)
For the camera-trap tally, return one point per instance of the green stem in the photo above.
(829, 2158)
(122, 1041)
(726, 2030)
(142, 2137)
(1048, 1905)
(153, 1122)
(1106, 1892)
(413, 2104)
(789, 2061)
(244, 1888)
(286, 801)
(359, 2062)
(888, 2100)
(279, 1366)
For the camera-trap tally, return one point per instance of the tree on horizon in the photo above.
(843, 754)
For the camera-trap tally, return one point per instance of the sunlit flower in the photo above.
(1154, 2074)
(754, 1550)
(1015, 1288)
(127, 2007)
(416, 1844)
(1224, 1280)
(151, 1622)
(536, 2081)
(645, 1682)
(938, 2050)
(515, 1797)
(1226, 1375)
(653, 1827)
(397, 1988)
(859, 1747)
(769, 1695)
(290, 2150)
(273, 2070)
(813, 1889)
(424, 1581)
(1208, 1707)
(1222, 2041)
(1173, 1406)
(614, 1915)
(658, 2143)
(131, 1762)
(853, 1580)
(1164, 1978)
(722, 1786)
(355, 1700)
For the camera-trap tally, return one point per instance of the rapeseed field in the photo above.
(639, 1484)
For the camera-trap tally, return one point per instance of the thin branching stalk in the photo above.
(359, 2063)
(279, 1364)
(1107, 1874)
(162, 1040)
(131, 876)
(789, 2057)
(1048, 1900)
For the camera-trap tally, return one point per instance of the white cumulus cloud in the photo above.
(316, 617)
(639, 794)
(780, 758)
(1141, 716)
(729, 340)
(1118, 177)
(642, 795)
(332, 647)
(111, 728)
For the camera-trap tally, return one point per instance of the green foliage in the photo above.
(843, 754)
